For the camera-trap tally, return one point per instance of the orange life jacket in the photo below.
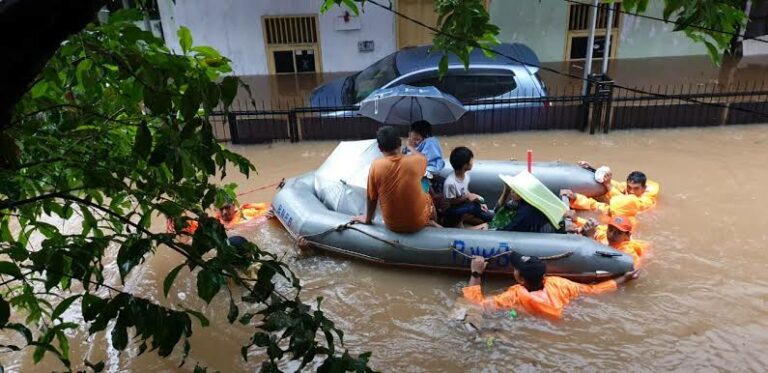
(634, 248)
(247, 212)
(548, 302)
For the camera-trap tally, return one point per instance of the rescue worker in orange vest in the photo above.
(230, 215)
(618, 235)
(622, 205)
(534, 293)
(637, 185)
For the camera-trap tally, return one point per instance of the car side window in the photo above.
(468, 86)
(476, 87)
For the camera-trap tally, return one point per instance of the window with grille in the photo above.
(290, 30)
(292, 44)
(578, 29)
(578, 17)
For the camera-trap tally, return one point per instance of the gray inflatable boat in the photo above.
(305, 209)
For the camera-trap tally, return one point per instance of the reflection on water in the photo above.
(700, 304)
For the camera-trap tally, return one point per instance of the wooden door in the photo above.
(410, 34)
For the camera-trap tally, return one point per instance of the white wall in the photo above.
(541, 25)
(642, 37)
(234, 28)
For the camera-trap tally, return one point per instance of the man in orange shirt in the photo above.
(618, 235)
(534, 293)
(637, 185)
(394, 182)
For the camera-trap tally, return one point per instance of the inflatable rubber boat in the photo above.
(319, 206)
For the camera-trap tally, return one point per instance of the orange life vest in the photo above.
(548, 302)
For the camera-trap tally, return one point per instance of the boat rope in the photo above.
(550, 257)
(397, 244)
(275, 185)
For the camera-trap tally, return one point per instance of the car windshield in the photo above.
(375, 77)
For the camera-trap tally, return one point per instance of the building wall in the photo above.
(234, 27)
(642, 37)
(539, 24)
(542, 25)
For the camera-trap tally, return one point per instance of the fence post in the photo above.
(604, 92)
(234, 136)
(293, 127)
(586, 106)
(597, 103)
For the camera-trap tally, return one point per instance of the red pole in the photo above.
(530, 159)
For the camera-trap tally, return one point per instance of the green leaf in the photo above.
(98, 367)
(170, 208)
(229, 90)
(443, 68)
(200, 317)
(125, 15)
(185, 39)
(171, 277)
(352, 6)
(39, 89)
(5, 229)
(208, 284)
(212, 95)
(326, 5)
(47, 230)
(190, 102)
(92, 306)
(714, 53)
(131, 254)
(5, 312)
(89, 221)
(10, 269)
(63, 306)
(119, 337)
(205, 51)
(23, 330)
(142, 144)
(157, 102)
(246, 318)
(233, 311)
(63, 343)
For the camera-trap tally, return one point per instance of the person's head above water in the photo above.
(420, 130)
(238, 242)
(619, 230)
(228, 211)
(636, 183)
(461, 159)
(388, 139)
(529, 272)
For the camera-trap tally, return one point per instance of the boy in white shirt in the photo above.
(465, 206)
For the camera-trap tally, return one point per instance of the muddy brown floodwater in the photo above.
(700, 304)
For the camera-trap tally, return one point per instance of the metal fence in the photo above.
(606, 107)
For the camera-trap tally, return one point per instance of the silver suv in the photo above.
(481, 87)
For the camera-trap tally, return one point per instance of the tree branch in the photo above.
(109, 118)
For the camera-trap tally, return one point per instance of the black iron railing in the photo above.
(605, 107)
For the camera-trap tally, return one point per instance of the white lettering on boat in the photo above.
(486, 252)
(284, 215)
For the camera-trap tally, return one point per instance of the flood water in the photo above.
(700, 304)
